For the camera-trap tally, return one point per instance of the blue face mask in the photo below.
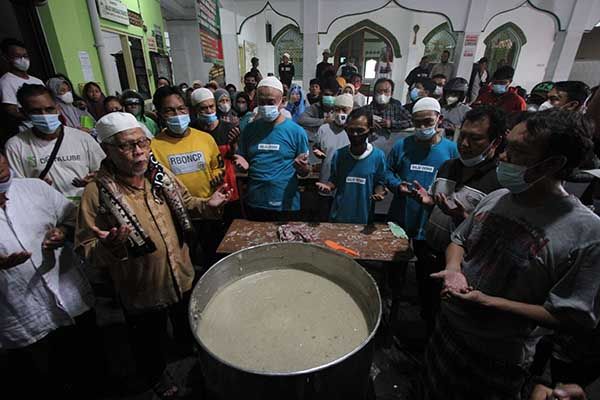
(425, 134)
(499, 89)
(208, 118)
(268, 113)
(328, 101)
(415, 94)
(45, 123)
(178, 124)
(512, 177)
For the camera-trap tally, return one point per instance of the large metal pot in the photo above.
(345, 378)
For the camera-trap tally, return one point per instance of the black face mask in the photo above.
(356, 141)
(250, 86)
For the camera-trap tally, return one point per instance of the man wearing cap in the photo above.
(134, 223)
(347, 69)
(45, 297)
(286, 70)
(274, 150)
(324, 65)
(64, 157)
(500, 94)
(331, 137)
(190, 154)
(412, 165)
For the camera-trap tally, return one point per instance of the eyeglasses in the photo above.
(130, 146)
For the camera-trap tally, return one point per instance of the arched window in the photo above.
(289, 40)
(439, 39)
(503, 45)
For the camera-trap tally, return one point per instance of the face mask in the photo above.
(415, 94)
(67, 97)
(358, 140)
(340, 118)
(499, 89)
(5, 185)
(512, 177)
(425, 134)
(471, 162)
(242, 107)
(382, 99)
(45, 123)
(135, 110)
(268, 113)
(250, 86)
(225, 107)
(22, 63)
(545, 106)
(439, 91)
(178, 124)
(451, 100)
(208, 118)
(328, 101)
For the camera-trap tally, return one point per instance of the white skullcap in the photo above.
(201, 94)
(344, 100)
(270, 81)
(427, 104)
(286, 55)
(326, 51)
(113, 123)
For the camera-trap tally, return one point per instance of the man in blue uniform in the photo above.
(357, 173)
(412, 166)
(274, 150)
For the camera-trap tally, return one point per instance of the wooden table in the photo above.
(375, 244)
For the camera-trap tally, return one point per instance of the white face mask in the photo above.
(225, 107)
(382, 99)
(22, 63)
(67, 97)
(439, 91)
(471, 162)
(6, 184)
(451, 100)
(545, 106)
(340, 118)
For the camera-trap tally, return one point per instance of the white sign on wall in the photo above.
(86, 66)
(113, 10)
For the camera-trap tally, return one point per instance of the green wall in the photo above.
(68, 30)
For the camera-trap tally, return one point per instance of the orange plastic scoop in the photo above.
(336, 246)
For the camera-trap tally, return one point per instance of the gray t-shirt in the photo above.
(329, 139)
(454, 116)
(547, 255)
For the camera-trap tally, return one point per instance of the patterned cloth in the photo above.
(393, 111)
(454, 371)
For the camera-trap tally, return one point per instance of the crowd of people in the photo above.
(115, 206)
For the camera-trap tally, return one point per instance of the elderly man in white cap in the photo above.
(286, 70)
(134, 223)
(274, 150)
(43, 291)
(64, 157)
(412, 166)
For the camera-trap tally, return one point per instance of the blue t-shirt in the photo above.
(411, 161)
(355, 181)
(270, 151)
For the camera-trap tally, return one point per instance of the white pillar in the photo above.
(563, 55)
(466, 46)
(230, 47)
(106, 63)
(310, 29)
(186, 52)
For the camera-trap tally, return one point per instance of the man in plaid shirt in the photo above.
(388, 113)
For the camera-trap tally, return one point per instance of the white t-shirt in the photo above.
(11, 83)
(48, 290)
(79, 154)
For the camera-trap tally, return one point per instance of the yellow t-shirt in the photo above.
(195, 159)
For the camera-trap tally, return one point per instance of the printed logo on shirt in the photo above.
(70, 157)
(422, 168)
(275, 203)
(187, 162)
(268, 147)
(353, 179)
